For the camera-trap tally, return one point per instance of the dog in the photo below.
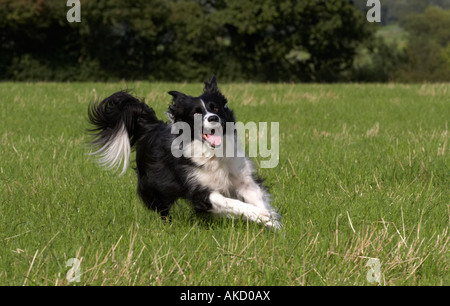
(218, 185)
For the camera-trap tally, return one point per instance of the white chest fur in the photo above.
(221, 174)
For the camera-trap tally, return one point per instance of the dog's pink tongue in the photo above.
(215, 139)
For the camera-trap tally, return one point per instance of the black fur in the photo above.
(120, 108)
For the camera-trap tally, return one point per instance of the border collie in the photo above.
(225, 186)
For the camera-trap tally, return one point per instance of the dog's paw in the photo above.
(275, 221)
(270, 219)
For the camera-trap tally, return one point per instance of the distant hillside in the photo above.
(393, 11)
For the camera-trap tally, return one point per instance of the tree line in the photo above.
(237, 40)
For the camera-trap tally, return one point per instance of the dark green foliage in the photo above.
(180, 40)
(237, 40)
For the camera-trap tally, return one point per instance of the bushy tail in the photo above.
(118, 121)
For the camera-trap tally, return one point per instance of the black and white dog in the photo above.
(225, 186)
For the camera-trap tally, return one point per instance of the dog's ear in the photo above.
(211, 86)
(176, 107)
(177, 95)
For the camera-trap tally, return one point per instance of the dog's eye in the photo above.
(214, 107)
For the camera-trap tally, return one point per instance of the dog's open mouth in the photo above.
(213, 137)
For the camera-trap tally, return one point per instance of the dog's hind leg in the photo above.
(154, 201)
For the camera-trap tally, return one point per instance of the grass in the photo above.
(363, 173)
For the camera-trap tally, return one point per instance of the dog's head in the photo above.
(210, 109)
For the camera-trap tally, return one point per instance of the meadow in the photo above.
(363, 177)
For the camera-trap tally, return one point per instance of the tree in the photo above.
(428, 44)
(281, 40)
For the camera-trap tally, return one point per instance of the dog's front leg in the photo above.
(230, 207)
(252, 193)
(248, 190)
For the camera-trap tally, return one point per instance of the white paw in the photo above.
(270, 219)
(275, 222)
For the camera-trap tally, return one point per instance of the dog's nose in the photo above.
(213, 118)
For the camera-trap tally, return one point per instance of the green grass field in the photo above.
(364, 173)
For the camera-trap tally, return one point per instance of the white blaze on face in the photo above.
(212, 130)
